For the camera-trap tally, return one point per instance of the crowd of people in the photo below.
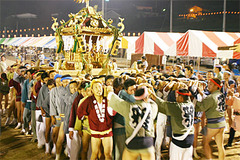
(22, 54)
(122, 117)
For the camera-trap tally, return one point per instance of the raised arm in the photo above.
(116, 103)
(205, 104)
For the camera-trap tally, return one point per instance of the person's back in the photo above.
(214, 107)
(139, 117)
(182, 118)
(136, 110)
(4, 88)
(119, 133)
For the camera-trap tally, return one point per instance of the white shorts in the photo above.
(178, 153)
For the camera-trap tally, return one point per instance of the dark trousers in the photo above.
(231, 136)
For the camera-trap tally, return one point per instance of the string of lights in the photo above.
(44, 35)
(27, 35)
(25, 30)
(207, 14)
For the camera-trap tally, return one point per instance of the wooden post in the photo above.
(198, 61)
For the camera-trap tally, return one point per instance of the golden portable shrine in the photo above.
(87, 27)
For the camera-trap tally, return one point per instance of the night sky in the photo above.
(155, 18)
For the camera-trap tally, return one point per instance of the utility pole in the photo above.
(0, 17)
(17, 28)
(224, 15)
(103, 8)
(106, 10)
(171, 2)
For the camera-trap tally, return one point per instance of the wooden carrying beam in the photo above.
(226, 47)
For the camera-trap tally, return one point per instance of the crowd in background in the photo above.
(122, 117)
(26, 53)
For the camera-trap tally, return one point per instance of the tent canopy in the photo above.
(203, 44)
(42, 41)
(28, 42)
(155, 42)
(192, 43)
(19, 41)
(127, 42)
(12, 41)
(1, 40)
(6, 41)
(51, 44)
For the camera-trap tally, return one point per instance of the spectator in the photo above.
(144, 63)
(217, 71)
(41, 58)
(3, 64)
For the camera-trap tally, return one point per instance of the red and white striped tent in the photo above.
(203, 44)
(155, 42)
